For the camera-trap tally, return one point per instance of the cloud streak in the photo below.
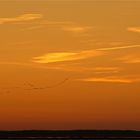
(21, 18)
(71, 56)
(118, 48)
(134, 29)
(131, 59)
(73, 68)
(66, 56)
(77, 29)
(110, 80)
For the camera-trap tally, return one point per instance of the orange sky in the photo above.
(69, 64)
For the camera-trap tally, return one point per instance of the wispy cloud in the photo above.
(35, 27)
(66, 67)
(132, 59)
(68, 26)
(105, 70)
(100, 42)
(77, 29)
(118, 48)
(15, 63)
(71, 56)
(111, 79)
(21, 18)
(66, 56)
(134, 29)
(83, 68)
(55, 23)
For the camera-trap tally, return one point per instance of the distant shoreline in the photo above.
(70, 134)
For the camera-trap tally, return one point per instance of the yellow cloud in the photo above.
(70, 56)
(77, 29)
(21, 18)
(134, 29)
(66, 56)
(110, 80)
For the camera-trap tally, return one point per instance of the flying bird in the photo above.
(33, 87)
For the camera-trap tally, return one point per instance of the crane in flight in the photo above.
(33, 87)
(30, 86)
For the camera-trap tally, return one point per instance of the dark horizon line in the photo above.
(69, 134)
(69, 130)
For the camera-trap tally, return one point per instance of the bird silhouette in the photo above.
(34, 87)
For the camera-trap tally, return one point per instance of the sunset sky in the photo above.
(69, 64)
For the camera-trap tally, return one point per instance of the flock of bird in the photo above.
(30, 86)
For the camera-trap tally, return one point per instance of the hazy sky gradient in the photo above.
(69, 64)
